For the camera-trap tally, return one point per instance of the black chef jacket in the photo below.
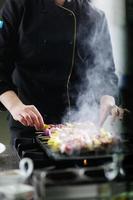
(45, 51)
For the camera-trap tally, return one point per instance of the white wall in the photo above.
(115, 12)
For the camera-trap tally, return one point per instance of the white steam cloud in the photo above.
(98, 80)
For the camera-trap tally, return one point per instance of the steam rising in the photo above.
(87, 108)
(96, 69)
(94, 86)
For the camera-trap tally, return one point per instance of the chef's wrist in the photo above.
(107, 103)
(15, 106)
(10, 100)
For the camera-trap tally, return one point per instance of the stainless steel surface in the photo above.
(8, 159)
(75, 191)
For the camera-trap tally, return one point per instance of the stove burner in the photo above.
(80, 177)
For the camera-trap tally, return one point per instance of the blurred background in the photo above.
(120, 19)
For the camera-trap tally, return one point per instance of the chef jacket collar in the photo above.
(72, 5)
(49, 6)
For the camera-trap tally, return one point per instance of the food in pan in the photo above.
(75, 137)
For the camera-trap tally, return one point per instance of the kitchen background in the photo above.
(119, 15)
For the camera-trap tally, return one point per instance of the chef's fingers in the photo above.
(121, 113)
(27, 118)
(39, 117)
(22, 120)
(114, 113)
(118, 112)
(35, 120)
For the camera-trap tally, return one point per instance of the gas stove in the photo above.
(101, 176)
(30, 148)
(27, 147)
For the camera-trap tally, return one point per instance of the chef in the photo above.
(44, 44)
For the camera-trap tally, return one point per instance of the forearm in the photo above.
(106, 104)
(10, 100)
(28, 115)
(109, 107)
(107, 100)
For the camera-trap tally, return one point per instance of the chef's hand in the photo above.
(108, 107)
(118, 112)
(28, 115)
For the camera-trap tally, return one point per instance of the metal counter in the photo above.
(9, 159)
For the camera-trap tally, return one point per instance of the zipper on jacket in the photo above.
(73, 56)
